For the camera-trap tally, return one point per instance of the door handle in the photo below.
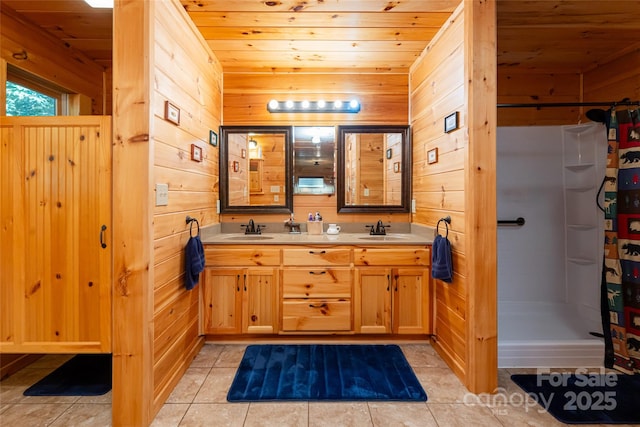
(102, 230)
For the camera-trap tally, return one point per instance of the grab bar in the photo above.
(518, 221)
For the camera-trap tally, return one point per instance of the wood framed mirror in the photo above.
(374, 168)
(255, 169)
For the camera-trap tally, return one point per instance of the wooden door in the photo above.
(259, 301)
(373, 300)
(411, 301)
(55, 251)
(222, 300)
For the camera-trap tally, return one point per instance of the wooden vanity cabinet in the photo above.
(392, 290)
(317, 290)
(241, 299)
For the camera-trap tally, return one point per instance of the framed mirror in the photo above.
(374, 169)
(314, 159)
(255, 169)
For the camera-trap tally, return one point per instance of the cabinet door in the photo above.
(373, 300)
(411, 301)
(259, 301)
(222, 300)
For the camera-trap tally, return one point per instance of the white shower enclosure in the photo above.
(549, 269)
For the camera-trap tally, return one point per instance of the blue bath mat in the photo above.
(325, 372)
(83, 375)
(610, 398)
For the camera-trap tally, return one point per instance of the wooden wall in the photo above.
(613, 80)
(161, 57)
(450, 77)
(49, 58)
(384, 100)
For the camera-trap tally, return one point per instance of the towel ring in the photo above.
(190, 221)
(447, 221)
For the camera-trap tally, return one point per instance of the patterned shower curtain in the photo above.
(621, 274)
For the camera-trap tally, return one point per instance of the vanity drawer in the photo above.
(317, 256)
(257, 256)
(418, 256)
(317, 283)
(316, 315)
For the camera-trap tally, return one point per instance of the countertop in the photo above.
(315, 239)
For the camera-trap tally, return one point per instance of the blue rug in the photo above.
(325, 372)
(610, 398)
(83, 375)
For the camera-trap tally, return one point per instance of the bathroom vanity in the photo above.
(285, 284)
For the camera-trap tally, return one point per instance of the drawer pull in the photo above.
(317, 253)
(314, 272)
(323, 305)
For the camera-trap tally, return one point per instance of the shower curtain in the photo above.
(621, 273)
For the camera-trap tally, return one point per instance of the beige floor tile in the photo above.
(278, 414)
(459, 415)
(103, 398)
(207, 356)
(397, 414)
(230, 356)
(12, 388)
(50, 361)
(170, 415)
(343, 414)
(215, 414)
(28, 415)
(189, 385)
(216, 386)
(441, 385)
(85, 414)
(422, 355)
(525, 414)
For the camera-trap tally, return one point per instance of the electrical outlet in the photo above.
(218, 206)
(413, 205)
(162, 194)
(366, 192)
(276, 198)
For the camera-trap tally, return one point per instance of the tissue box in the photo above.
(314, 227)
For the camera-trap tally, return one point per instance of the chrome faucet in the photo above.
(379, 229)
(294, 227)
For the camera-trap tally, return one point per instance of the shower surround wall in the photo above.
(549, 269)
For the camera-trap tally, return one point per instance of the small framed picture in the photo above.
(171, 113)
(213, 138)
(389, 153)
(196, 153)
(451, 122)
(432, 155)
(243, 153)
(396, 167)
(236, 166)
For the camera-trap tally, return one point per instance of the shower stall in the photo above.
(549, 268)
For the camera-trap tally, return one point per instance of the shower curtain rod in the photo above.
(570, 104)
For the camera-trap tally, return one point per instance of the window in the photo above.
(23, 101)
(28, 95)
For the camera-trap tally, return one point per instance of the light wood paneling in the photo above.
(49, 57)
(56, 182)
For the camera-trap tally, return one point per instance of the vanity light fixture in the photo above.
(320, 106)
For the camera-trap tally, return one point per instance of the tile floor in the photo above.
(200, 400)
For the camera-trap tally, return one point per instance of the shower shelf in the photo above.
(581, 227)
(579, 167)
(581, 261)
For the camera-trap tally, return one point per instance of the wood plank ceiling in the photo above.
(371, 35)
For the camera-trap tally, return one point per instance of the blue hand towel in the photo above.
(194, 261)
(441, 265)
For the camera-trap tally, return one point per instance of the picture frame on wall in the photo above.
(171, 113)
(213, 138)
(196, 153)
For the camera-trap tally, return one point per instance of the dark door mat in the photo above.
(83, 375)
(325, 372)
(609, 398)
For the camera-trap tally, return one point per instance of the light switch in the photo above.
(162, 194)
(413, 205)
(366, 192)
